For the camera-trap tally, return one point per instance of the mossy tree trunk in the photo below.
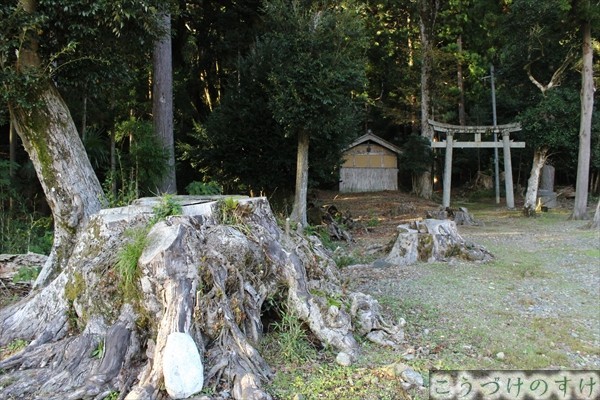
(210, 273)
(44, 124)
(70, 185)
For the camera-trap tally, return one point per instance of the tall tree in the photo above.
(44, 124)
(162, 101)
(428, 10)
(543, 33)
(585, 124)
(317, 70)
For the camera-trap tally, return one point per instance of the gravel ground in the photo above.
(535, 306)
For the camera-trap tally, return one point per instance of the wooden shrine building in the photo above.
(370, 165)
(506, 144)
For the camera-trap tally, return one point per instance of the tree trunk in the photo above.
(539, 159)
(162, 103)
(71, 187)
(299, 208)
(50, 137)
(462, 115)
(197, 275)
(595, 224)
(13, 160)
(427, 14)
(585, 126)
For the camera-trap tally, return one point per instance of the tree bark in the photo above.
(13, 159)
(462, 115)
(71, 187)
(299, 208)
(427, 13)
(162, 102)
(539, 159)
(585, 126)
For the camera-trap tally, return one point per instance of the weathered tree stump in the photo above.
(432, 240)
(206, 273)
(460, 216)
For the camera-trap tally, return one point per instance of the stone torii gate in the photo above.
(449, 144)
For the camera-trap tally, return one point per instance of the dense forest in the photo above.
(250, 83)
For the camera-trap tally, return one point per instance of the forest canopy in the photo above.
(230, 131)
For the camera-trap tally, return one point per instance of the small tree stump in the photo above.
(460, 216)
(433, 240)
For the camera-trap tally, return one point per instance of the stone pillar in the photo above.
(546, 187)
(508, 178)
(547, 178)
(447, 171)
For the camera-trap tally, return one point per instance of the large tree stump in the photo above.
(206, 273)
(432, 240)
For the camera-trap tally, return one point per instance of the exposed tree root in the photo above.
(89, 334)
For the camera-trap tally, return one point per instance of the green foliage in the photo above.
(322, 233)
(124, 194)
(96, 147)
(142, 156)
(114, 395)
(203, 188)
(344, 260)
(306, 72)
(26, 274)
(554, 122)
(21, 230)
(168, 206)
(99, 350)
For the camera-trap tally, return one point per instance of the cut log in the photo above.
(206, 273)
(433, 240)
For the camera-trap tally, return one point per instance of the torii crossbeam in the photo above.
(449, 144)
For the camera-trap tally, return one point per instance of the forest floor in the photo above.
(535, 306)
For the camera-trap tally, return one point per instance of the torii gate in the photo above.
(449, 144)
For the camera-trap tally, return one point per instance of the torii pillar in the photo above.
(449, 144)
(508, 177)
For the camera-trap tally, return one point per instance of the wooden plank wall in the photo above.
(368, 179)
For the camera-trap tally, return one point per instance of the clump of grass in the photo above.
(227, 211)
(13, 347)
(26, 274)
(322, 233)
(289, 341)
(128, 256)
(168, 206)
(127, 259)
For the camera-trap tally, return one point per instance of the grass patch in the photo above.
(288, 342)
(127, 260)
(12, 348)
(332, 382)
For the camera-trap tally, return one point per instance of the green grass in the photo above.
(462, 315)
(127, 260)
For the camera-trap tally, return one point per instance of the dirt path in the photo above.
(536, 306)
